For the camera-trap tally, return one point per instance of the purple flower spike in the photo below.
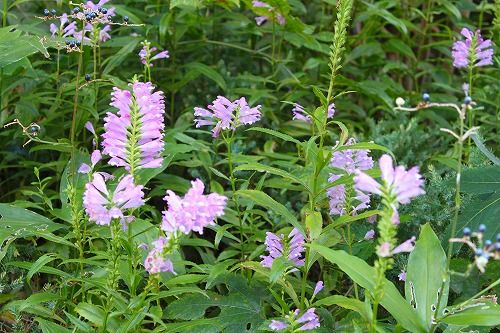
(101, 206)
(403, 184)
(310, 320)
(156, 261)
(225, 114)
(63, 30)
(351, 160)
(473, 51)
(277, 246)
(134, 136)
(193, 212)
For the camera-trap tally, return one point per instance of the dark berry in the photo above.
(73, 43)
(68, 42)
(88, 17)
(479, 252)
(103, 10)
(497, 246)
(93, 14)
(46, 12)
(78, 43)
(482, 228)
(34, 129)
(125, 19)
(467, 232)
(76, 10)
(426, 97)
(488, 243)
(467, 100)
(87, 77)
(53, 12)
(498, 237)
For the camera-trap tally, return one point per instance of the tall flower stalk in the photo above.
(398, 187)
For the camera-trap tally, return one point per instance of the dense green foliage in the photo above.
(361, 55)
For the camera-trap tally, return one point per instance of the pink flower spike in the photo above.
(384, 250)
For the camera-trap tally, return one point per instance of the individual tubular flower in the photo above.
(63, 30)
(157, 260)
(225, 114)
(277, 246)
(370, 234)
(146, 54)
(269, 13)
(133, 137)
(398, 182)
(402, 276)
(101, 205)
(309, 320)
(193, 212)
(474, 51)
(94, 158)
(299, 113)
(319, 286)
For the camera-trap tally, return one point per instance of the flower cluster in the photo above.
(484, 249)
(134, 136)
(225, 114)
(65, 28)
(157, 260)
(146, 54)
(473, 51)
(349, 161)
(309, 320)
(300, 114)
(398, 183)
(102, 206)
(272, 13)
(277, 246)
(193, 212)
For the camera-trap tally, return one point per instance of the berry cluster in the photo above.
(484, 249)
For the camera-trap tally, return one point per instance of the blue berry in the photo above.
(76, 10)
(488, 243)
(103, 10)
(479, 252)
(467, 232)
(125, 19)
(88, 17)
(426, 97)
(467, 100)
(78, 43)
(87, 77)
(498, 237)
(497, 246)
(53, 12)
(68, 42)
(482, 228)
(46, 12)
(93, 14)
(34, 129)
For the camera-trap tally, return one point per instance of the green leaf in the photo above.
(38, 264)
(275, 171)
(277, 134)
(425, 275)
(50, 327)
(364, 275)
(240, 309)
(346, 303)
(262, 199)
(209, 72)
(91, 312)
(278, 268)
(119, 57)
(481, 180)
(480, 145)
(185, 3)
(14, 47)
(314, 224)
(478, 314)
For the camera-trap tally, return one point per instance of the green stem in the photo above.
(232, 180)
(112, 282)
(304, 279)
(457, 194)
